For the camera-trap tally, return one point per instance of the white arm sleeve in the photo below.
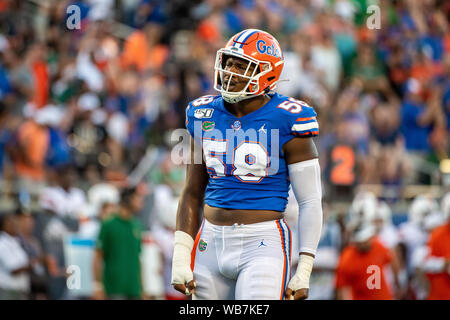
(306, 184)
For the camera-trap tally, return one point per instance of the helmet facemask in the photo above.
(251, 89)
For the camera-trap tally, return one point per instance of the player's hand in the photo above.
(298, 286)
(183, 279)
(300, 294)
(187, 289)
(182, 275)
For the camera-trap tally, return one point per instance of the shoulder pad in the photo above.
(301, 117)
(200, 108)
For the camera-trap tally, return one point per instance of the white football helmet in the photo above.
(420, 207)
(362, 208)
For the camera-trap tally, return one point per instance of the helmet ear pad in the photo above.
(253, 87)
(267, 80)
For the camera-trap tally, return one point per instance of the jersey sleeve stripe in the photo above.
(306, 119)
(312, 133)
(244, 36)
(305, 126)
(285, 267)
(248, 36)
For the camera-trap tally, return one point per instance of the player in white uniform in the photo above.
(412, 232)
(413, 235)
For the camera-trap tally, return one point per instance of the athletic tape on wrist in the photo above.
(181, 261)
(184, 239)
(301, 278)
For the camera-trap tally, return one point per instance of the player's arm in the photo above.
(304, 174)
(188, 221)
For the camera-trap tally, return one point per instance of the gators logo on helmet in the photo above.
(259, 49)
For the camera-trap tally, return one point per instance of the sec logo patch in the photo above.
(203, 113)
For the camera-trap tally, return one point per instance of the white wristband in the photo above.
(181, 261)
(301, 278)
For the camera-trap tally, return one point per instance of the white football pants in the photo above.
(242, 261)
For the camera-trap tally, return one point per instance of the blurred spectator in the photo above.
(5, 83)
(61, 205)
(103, 199)
(143, 49)
(35, 253)
(169, 174)
(367, 68)
(65, 197)
(29, 155)
(418, 118)
(40, 75)
(86, 68)
(5, 137)
(326, 59)
(59, 152)
(116, 262)
(15, 266)
(86, 136)
(100, 9)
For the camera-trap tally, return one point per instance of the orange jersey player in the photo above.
(438, 263)
(360, 274)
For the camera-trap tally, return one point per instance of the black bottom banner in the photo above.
(198, 310)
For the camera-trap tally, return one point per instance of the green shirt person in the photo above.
(117, 271)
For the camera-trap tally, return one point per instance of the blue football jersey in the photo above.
(244, 156)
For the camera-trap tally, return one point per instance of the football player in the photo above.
(254, 145)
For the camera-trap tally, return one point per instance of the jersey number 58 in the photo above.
(249, 161)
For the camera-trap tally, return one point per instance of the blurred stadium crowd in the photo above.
(88, 111)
